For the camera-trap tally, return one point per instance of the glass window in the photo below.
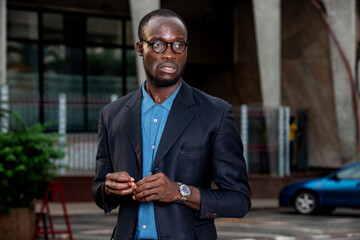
(22, 78)
(22, 67)
(63, 74)
(129, 34)
(104, 71)
(22, 24)
(53, 26)
(350, 173)
(64, 52)
(104, 31)
(131, 78)
(62, 70)
(104, 79)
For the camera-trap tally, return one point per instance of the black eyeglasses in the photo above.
(159, 46)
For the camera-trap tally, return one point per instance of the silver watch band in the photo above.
(184, 191)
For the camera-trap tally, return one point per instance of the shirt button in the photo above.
(144, 226)
(155, 120)
(153, 147)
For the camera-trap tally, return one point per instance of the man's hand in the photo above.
(156, 187)
(119, 184)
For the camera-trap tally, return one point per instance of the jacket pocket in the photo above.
(195, 163)
(198, 153)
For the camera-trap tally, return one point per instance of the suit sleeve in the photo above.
(103, 167)
(232, 198)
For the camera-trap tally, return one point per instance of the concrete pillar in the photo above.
(2, 42)
(342, 20)
(138, 9)
(267, 15)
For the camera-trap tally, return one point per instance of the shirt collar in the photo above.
(148, 102)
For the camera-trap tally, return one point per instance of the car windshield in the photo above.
(349, 173)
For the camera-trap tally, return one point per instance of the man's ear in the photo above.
(139, 49)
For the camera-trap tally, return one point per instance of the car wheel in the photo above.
(305, 202)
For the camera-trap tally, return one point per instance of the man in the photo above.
(292, 133)
(161, 147)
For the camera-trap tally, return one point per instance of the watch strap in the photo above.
(184, 191)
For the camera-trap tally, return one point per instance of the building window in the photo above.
(87, 57)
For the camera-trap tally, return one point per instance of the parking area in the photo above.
(265, 221)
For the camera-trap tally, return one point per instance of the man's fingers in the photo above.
(145, 196)
(143, 181)
(121, 189)
(154, 187)
(148, 179)
(119, 184)
(119, 177)
(124, 179)
(120, 192)
(116, 185)
(149, 198)
(146, 186)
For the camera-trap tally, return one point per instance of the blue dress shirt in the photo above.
(153, 120)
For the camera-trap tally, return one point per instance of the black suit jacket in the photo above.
(200, 144)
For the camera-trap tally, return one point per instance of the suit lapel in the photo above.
(132, 121)
(180, 115)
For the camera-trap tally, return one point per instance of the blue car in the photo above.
(322, 195)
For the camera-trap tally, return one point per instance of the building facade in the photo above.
(301, 54)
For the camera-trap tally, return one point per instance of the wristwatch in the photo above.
(184, 191)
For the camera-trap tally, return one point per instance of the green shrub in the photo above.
(27, 159)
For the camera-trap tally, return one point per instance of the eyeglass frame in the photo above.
(166, 45)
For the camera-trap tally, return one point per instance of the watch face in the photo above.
(185, 190)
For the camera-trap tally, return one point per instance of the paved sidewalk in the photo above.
(83, 208)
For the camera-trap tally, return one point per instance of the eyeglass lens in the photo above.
(160, 46)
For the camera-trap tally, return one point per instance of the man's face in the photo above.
(166, 68)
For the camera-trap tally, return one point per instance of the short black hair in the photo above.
(161, 13)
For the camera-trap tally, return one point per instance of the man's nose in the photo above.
(168, 53)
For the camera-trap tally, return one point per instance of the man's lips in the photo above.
(167, 67)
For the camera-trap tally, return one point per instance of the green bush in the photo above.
(27, 159)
